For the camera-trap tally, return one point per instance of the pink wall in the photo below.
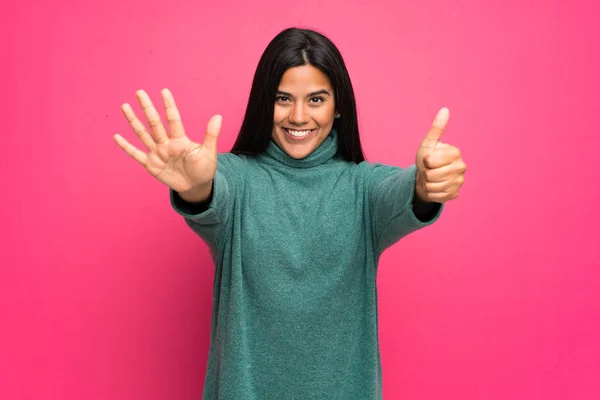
(105, 293)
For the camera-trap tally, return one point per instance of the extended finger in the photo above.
(437, 128)
(152, 116)
(130, 149)
(173, 116)
(212, 132)
(138, 127)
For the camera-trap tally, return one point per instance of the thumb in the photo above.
(435, 132)
(212, 132)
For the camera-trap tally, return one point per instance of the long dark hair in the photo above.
(294, 47)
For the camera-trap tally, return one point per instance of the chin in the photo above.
(297, 150)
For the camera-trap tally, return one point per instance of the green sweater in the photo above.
(296, 245)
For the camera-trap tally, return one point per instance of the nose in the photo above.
(298, 114)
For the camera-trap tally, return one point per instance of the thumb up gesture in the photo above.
(440, 166)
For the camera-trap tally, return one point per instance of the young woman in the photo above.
(296, 221)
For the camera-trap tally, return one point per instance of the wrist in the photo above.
(198, 194)
(420, 192)
(423, 208)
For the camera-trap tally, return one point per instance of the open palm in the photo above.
(173, 159)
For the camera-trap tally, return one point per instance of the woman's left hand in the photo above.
(440, 166)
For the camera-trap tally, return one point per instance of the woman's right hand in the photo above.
(184, 166)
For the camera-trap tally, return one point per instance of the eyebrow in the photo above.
(318, 92)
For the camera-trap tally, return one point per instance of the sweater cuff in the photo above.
(432, 214)
(206, 212)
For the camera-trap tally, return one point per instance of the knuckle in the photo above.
(427, 174)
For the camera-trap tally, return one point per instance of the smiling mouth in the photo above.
(299, 133)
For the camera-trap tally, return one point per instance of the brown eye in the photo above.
(282, 99)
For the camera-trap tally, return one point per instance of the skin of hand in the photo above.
(172, 158)
(440, 166)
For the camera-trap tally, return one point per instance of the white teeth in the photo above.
(298, 133)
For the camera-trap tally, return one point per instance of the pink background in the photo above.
(106, 294)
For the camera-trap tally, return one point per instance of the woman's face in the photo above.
(304, 111)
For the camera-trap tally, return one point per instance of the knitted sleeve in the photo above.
(391, 192)
(208, 219)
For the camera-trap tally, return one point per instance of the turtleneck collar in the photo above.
(323, 153)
